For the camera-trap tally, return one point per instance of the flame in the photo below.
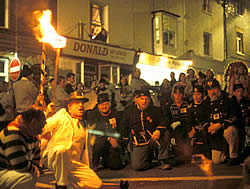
(45, 32)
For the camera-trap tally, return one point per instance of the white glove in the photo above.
(175, 124)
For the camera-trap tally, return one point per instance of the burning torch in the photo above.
(45, 33)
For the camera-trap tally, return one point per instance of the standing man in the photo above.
(221, 128)
(69, 87)
(66, 146)
(137, 83)
(20, 151)
(105, 131)
(145, 125)
(60, 94)
(24, 90)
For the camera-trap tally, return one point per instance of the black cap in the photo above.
(198, 88)
(104, 97)
(75, 96)
(210, 84)
(238, 86)
(140, 93)
(26, 70)
(180, 88)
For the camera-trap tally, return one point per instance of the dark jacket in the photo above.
(140, 124)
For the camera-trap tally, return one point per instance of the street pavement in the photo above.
(188, 176)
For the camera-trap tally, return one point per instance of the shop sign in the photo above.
(86, 49)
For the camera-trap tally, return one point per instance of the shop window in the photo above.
(169, 30)
(97, 23)
(206, 6)
(239, 42)
(4, 16)
(207, 43)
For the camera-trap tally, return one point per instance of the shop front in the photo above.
(88, 60)
(157, 68)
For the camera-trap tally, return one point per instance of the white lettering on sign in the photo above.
(15, 69)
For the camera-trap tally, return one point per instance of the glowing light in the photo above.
(45, 32)
(206, 164)
(163, 61)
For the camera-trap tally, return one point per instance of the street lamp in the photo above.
(223, 3)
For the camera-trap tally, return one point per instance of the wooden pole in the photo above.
(40, 99)
(58, 50)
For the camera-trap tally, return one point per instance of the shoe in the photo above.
(60, 187)
(233, 161)
(165, 166)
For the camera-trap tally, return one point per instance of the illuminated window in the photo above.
(97, 23)
(4, 13)
(157, 29)
(169, 30)
(207, 43)
(239, 42)
(206, 5)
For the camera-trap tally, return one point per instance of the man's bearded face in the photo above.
(214, 93)
(104, 107)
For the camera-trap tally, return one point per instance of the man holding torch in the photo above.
(65, 143)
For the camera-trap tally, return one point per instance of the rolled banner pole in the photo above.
(58, 50)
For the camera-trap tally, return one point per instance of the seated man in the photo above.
(19, 150)
(105, 131)
(145, 125)
(67, 147)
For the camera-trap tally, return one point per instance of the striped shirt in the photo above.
(17, 151)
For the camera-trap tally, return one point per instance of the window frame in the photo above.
(239, 42)
(239, 9)
(207, 49)
(99, 24)
(5, 13)
(206, 6)
(5, 67)
(171, 30)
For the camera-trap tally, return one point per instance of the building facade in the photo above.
(113, 36)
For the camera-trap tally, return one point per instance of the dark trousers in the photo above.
(183, 147)
(142, 155)
(110, 155)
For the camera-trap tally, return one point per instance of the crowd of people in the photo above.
(129, 124)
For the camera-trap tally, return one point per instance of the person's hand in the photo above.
(113, 142)
(50, 110)
(156, 135)
(191, 133)
(214, 127)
